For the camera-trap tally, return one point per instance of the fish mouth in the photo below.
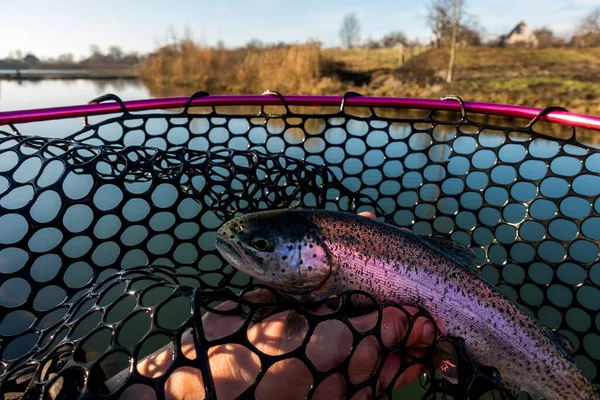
(232, 254)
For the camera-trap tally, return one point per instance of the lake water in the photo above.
(19, 95)
(353, 163)
(15, 95)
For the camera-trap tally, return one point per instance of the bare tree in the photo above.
(591, 23)
(588, 31)
(115, 52)
(394, 38)
(371, 43)
(441, 20)
(546, 38)
(66, 58)
(131, 58)
(95, 50)
(255, 44)
(469, 36)
(172, 35)
(350, 31)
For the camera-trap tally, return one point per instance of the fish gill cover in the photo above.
(107, 237)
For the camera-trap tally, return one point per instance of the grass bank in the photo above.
(532, 77)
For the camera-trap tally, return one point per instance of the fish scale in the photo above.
(358, 253)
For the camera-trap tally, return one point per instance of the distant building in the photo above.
(521, 35)
(30, 59)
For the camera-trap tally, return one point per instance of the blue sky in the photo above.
(51, 27)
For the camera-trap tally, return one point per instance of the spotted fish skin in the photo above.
(312, 254)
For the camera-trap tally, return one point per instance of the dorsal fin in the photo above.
(456, 251)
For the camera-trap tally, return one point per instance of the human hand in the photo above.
(234, 367)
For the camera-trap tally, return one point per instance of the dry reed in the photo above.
(288, 69)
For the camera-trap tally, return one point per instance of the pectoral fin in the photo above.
(295, 323)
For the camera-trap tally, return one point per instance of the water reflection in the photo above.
(51, 93)
(118, 85)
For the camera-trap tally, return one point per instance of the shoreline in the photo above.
(40, 74)
(69, 78)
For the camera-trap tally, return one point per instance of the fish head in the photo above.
(280, 248)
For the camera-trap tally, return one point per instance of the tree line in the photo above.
(442, 17)
(114, 55)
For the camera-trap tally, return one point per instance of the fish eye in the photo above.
(261, 243)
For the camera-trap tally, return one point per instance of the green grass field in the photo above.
(533, 77)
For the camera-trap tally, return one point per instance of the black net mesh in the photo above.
(107, 238)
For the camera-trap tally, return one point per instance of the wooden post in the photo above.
(400, 53)
(453, 45)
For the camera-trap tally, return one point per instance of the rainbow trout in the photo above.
(311, 255)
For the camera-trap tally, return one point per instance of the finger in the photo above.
(363, 394)
(394, 325)
(234, 367)
(332, 388)
(410, 375)
(420, 326)
(329, 345)
(183, 383)
(365, 360)
(217, 326)
(422, 333)
(390, 369)
(364, 323)
(286, 379)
